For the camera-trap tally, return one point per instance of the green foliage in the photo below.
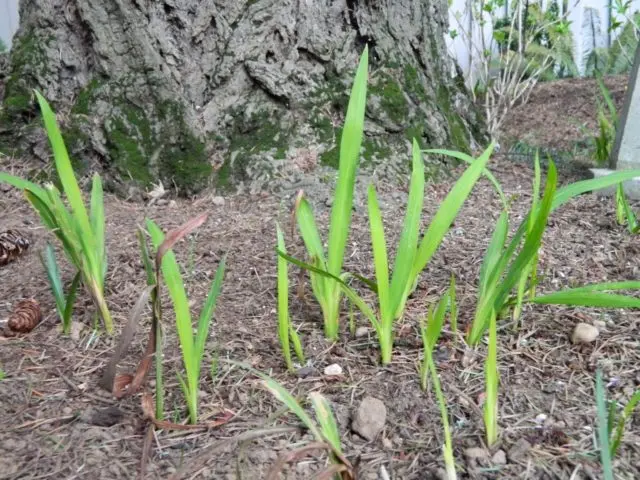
(624, 212)
(502, 269)
(603, 428)
(3, 46)
(324, 429)
(608, 122)
(64, 304)
(618, 59)
(430, 332)
(285, 330)
(152, 281)
(545, 39)
(192, 347)
(325, 289)
(81, 234)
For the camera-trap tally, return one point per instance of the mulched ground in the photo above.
(53, 414)
(560, 116)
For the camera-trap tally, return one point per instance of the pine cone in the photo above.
(12, 245)
(26, 315)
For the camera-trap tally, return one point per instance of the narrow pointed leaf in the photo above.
(350, 143)
(407, 247)
(379, 253)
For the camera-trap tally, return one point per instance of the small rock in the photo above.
(76, 330)
(499, 458)
(541, 418)
(476, 455)
(304, 372)
(584, 333)
(362, 332)
(14, 445)
(67, 411)
(333, 370)
(218, 201)
(161, 202)
(173, 204)
(103, 417)
(369, 418)
(600, 324)
(519, 450)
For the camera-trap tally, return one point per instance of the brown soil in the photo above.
(54, 417)
(560, 115)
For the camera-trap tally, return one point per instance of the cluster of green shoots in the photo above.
(507, 277)
(508, 274)
(608, 123)
(81, 234)
(82, 237)
(624, 213)
(611, 424)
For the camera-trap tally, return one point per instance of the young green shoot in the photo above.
(192, 347)
(157, 313)
(499, 273)
(430, 331)
(325, 289)
(285, 330)
(594, 295)
(624, 212)
(64, 304)
(391, 292)
(445, 216)
(324, 429)
(492, 380)
(528, 276)
(81, 234)
(622, 421)
(603, 428)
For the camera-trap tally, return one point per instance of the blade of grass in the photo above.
(626, 414)
(453, 308)
(98, 224)
(491, 382)
(406, 251)
(563, 195)
(445, 216)
(53, 274)
(326, 420)
(206, 315)
(70, 300)
(379, 253)
(603, 434)
(175, 285)
(350, 143)
(284, 326)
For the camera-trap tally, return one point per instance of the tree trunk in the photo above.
(230, 93)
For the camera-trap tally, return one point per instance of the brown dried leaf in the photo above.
(109, 381)
(175, 235)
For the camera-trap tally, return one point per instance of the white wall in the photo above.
(8, 20)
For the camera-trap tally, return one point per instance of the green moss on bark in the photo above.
(145, 145)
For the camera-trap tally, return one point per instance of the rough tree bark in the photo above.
(228, 92)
